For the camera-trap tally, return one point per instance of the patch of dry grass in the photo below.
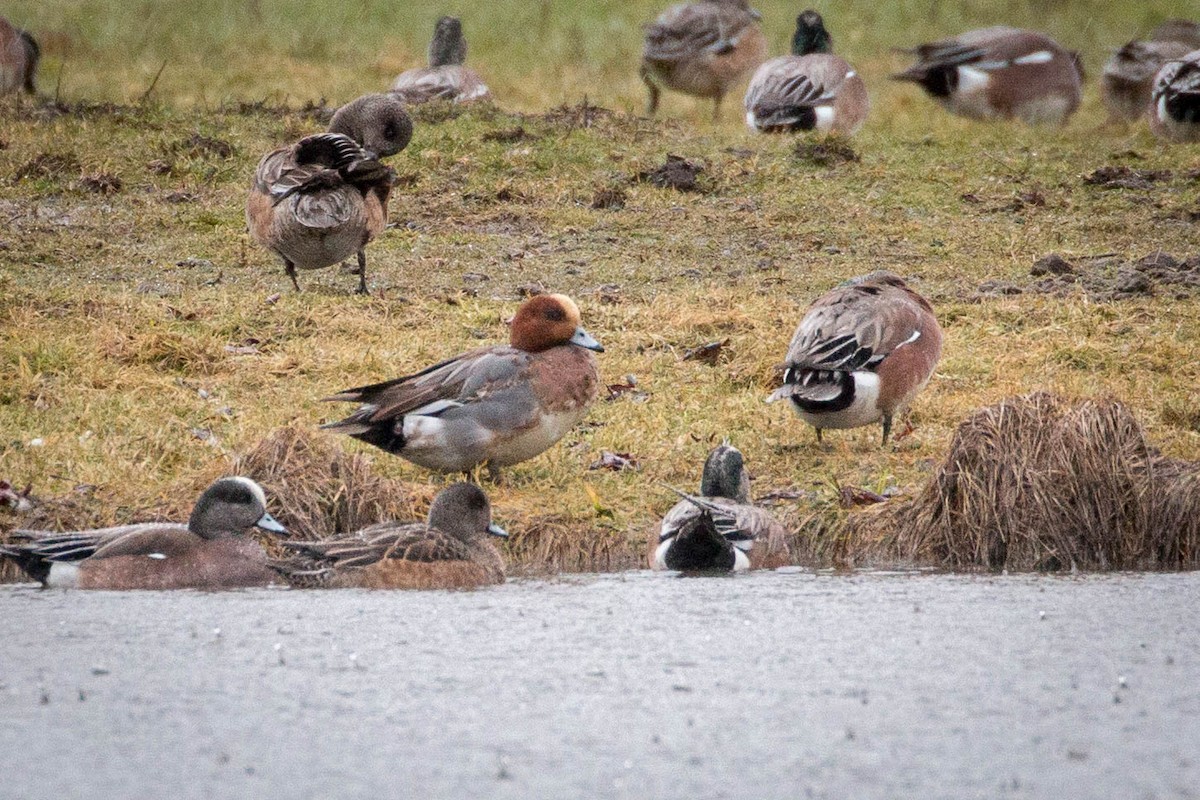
(146, 345)
(1038, 482)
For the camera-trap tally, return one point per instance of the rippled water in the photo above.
(774, 685)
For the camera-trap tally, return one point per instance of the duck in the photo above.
(808, 90)
(702, 49)
(19, 56)
(450, 550)
(497, 405)
(720, 529)
(1128, 78)
(1178, 30)
(324, 198)
(211, 551)
(1000, 73)
(1175, 100)
(861, 353)
(445, 78)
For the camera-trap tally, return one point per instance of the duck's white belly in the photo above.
(864, 409)
(536, 440)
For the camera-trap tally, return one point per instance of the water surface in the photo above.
(773, 685)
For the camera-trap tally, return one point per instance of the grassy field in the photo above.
(146, 343)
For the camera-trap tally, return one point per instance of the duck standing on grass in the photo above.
(999, 73)
(808, 90)
(497, 405)
(861, 353)
(19, 55)
(449, 551)
(1175, 102)
(445, 78)
(701, 49)
(1128, 78)
(210, 552)
(325, 198)
(720, 530)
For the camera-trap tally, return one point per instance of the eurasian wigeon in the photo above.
(210, 551)
(808, 90)
(324, 198)
(720, 529)
(19, 55)
(1000, 73)
(861, 353)
(1175, 101)
(702, 49)
(500, 405)
(449, 551)
(445, 78)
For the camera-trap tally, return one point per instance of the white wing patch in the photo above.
(1039, 57)
(157, 556)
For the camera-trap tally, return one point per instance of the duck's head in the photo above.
(810, 35)
(725, 474)
(230, 507)
(549, 320)
(378, 122)
(448, 45)
(463, 510)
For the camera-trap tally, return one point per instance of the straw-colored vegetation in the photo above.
(147, 346)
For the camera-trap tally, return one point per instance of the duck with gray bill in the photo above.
(210, 551)
(325, 198)
(451, 550)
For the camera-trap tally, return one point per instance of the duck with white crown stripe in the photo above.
(719, 530)
(211, 551)
(860, 354)
(812, 89)
(1000, 73)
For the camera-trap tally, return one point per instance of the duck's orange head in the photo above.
(549, 320)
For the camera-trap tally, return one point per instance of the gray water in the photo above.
(773, 685)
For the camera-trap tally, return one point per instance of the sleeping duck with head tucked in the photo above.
(498, 405)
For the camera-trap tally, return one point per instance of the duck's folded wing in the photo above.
(469, 378)
(151, 542)
(854, 329)
(687, 31)
(424, 85)
(786, 87)
(74, 545)
(407, 543)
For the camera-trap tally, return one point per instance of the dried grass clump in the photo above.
(550, 544)
(316, 489)
(1042, 482)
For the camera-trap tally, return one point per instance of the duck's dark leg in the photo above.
(290, 269)
(818, 430)
(717, 107)
(887, 427)
(494, 473)
(362, 272)
(653, 93)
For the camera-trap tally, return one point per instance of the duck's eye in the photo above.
(389, 131)
(555, 314)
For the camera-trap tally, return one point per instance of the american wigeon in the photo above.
(1128, 78)
(999, 73)
(808, 90)
(210, 551)
(19, 54)
(1178, 30)
(1175, 101)
(720, 529)
(449, 551)
(325, 197)
(499, 405)
(701, 49)
(445, 78)
(861, 353)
